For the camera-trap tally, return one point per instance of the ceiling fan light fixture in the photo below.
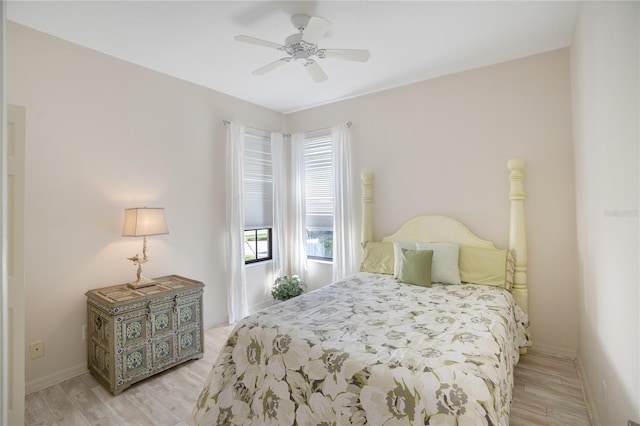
(300, 56)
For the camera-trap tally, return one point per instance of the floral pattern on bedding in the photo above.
(370, 350)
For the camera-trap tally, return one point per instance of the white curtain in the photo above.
(237, 305)
(343, 238)
(279, 205)
(298, 209)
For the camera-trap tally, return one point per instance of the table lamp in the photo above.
(143, 222)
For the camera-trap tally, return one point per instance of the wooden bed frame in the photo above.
(445, 229)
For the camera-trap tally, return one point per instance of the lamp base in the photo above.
(142, 282)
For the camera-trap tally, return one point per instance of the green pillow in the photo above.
(415, 267)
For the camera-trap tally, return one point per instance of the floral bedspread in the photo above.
(369, 350)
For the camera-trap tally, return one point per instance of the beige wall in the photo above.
(103, 135)
(606, 91)
(441, 147)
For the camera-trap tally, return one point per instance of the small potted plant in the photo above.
(287, 286)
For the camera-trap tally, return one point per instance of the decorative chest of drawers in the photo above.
(134, 334)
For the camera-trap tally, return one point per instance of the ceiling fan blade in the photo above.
(260, 42)
(315, 71)
(315, 29)
(358, 55)
(273, 65)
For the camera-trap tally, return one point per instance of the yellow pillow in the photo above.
(377, 257)
(483, 266)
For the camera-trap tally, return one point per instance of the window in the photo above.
(257, 245)
(258, 196)
(318, 165)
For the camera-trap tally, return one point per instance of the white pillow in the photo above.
(444, 265)
(397, 254)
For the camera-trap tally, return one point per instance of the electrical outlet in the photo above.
(84, 332)
(36, 349)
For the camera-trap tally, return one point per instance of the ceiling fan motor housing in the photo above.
(299, 49)
(292, 39)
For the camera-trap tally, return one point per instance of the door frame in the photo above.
(12, 277)
(13, 207)
(4, 307)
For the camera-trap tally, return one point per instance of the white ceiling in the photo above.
(409, 41)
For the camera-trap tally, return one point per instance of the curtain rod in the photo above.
(323, 128)
(285, 135)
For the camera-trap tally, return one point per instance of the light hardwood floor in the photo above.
(547, 392)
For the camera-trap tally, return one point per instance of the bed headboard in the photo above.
(445, 229)
(437, 229)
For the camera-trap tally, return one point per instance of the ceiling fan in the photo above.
(303, 46)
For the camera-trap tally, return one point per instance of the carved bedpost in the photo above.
(367, 206)
(517, 231)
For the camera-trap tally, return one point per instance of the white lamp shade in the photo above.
(144, 221)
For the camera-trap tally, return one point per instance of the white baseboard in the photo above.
(556, 351)
(219, 320)
(224, 320)
(588, 395)
(55, 378)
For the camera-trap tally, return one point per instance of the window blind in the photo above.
(258, 180)
(319, 180)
